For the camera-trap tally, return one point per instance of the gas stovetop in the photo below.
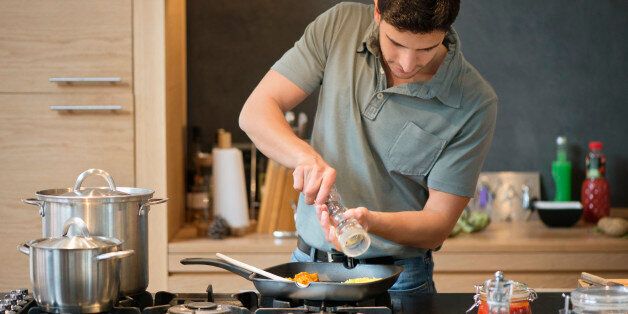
(20, 302)
(248, 302)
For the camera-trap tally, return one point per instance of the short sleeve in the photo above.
(304, 63)
(457, 169)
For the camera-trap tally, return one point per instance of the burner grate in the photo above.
(240, 303)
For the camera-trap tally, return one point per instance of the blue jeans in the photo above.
(416, 278)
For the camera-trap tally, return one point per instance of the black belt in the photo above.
(338, 257)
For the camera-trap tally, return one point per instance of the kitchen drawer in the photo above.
(65, 39)
(43, 149)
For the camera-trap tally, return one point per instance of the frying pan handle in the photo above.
(218, 263)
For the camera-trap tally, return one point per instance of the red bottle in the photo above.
(595, 196)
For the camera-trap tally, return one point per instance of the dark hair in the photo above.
(419, 16)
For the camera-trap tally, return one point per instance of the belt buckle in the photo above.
(335, 257)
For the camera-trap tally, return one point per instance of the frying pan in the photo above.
(331, 276)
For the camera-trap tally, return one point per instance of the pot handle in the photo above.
(36, 202)
(220, 264)
(86, 173)
(145, 208)
(117, 255)
(77, 223)
(24, 248)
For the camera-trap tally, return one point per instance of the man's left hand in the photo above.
(361, 214)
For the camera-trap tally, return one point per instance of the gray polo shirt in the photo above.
(388, 145)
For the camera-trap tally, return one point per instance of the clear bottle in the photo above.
(353, 239)
(595, 193)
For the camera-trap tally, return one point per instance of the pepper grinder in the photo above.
(353, 239)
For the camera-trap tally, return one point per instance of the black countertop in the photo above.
(549, 302)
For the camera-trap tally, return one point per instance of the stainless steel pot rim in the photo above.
(111, 242)
(56, 195)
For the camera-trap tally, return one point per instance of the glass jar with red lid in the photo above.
(500, 295)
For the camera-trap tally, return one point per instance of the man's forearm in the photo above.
(412, 228)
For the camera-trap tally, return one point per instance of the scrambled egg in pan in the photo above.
(305, 278)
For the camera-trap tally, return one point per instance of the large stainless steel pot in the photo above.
(75, 273)
(115, 212)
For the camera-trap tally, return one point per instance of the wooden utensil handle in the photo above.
(596, 280)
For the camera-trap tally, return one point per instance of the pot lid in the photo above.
(600, 298)
(78, 240)
(95, 192)
(501, 287)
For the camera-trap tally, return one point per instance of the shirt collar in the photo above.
(369, 41)
(444, 85)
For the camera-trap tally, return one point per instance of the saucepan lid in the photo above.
(75, 237)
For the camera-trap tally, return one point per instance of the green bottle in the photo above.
(561, 171)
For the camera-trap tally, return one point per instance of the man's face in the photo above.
(407, 53)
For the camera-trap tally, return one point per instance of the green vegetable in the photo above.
(456, 230)
(470, 221)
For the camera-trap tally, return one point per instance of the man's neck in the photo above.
(424, 75)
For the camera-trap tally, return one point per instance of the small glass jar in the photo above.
(517, 296)
(607, 300)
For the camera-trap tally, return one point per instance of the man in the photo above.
(403, 125)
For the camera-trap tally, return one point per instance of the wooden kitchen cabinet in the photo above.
(141, 143)
(63, 39)
(44, 149)
(48, 148)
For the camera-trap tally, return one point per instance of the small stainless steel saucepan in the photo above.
(75, 272)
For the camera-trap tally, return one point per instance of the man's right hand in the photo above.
(314, 178)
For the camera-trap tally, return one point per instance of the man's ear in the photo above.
(376, 15)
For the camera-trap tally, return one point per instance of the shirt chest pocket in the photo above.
(414, 151)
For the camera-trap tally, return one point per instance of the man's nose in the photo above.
(407, 61)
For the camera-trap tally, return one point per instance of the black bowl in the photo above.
(565, 214)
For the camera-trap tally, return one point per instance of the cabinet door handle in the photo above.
(73, 80)
(87, 108)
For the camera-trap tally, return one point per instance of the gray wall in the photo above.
(558, 67)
